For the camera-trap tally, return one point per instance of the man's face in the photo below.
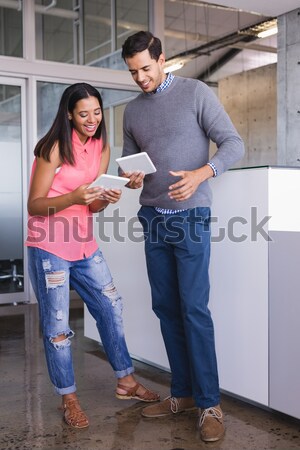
(146, 72)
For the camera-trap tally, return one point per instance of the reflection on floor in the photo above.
(29, 418)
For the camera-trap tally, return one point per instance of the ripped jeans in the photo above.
(51, 278)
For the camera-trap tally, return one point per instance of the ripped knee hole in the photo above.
(59, 338)
(55, 279)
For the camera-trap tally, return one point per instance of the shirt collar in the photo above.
(166, 83)
(78, 146)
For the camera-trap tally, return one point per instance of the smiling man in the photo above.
(173, 120)
(147, 72)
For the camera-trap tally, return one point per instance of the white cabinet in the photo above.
(255, 298)
(239, 282)
(284, 322)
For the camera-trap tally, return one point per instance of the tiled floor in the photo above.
(30, 419)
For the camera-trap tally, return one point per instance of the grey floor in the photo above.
(30, 419)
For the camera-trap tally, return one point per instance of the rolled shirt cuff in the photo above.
(213, 167)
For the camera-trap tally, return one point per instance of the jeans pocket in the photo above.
(200, 214)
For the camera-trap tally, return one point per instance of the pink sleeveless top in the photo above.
(69, 233)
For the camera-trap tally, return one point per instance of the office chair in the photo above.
(12, 273)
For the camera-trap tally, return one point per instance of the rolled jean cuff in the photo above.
(124, 373)
(67, 390)
(209, 403)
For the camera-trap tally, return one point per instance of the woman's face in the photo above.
(86, 117)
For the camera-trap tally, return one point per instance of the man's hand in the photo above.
(136, 179)
(189, 182)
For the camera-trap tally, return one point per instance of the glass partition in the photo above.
(97, 31)
(131, 16)
(48, 97)
(11, 204)
(89, 32)
(55, 31)
(11, 29)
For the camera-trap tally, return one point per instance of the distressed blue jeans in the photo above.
(177, 248)
(51, 278)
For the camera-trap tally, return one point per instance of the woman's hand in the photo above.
(84, 195)
(106, 196)
(111, 195)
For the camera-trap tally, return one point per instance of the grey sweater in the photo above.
(174, 127)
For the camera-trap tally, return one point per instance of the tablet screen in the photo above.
(139, 162)
(109, 182)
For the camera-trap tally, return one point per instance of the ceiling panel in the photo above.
(268, 7)
(193, 24)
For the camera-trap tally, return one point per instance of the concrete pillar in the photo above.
(288, 89)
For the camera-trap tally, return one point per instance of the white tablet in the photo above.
(106, 181)
(139, 162)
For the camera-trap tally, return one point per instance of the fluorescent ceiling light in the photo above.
(261, 30)
(175, 66)
(176, 63)
(267, 33)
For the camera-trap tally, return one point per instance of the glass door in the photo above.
(13, 284)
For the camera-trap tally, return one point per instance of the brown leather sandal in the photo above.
(73, 414)
(131, 393)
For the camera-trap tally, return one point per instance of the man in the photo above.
(173, 120)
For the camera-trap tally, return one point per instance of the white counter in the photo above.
(254, 294)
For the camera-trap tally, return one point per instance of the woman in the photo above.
(62, 250)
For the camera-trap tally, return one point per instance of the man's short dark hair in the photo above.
(140, 41)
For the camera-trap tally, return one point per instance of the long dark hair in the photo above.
(61, 129)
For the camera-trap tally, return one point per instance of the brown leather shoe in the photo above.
(211, 424)
(169, 406)
(73, 414)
